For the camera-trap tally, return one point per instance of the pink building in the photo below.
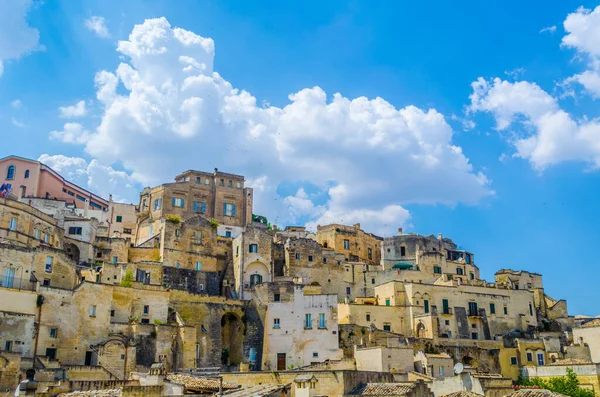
(30, 178)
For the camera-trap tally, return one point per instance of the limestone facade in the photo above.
(356, 244)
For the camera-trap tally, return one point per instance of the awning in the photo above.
(402, 265)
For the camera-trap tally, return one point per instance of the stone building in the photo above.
(589, 334)
(300, 325)
(356, 244)
(30, 178)
(220, 196)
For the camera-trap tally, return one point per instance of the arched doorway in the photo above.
(72, 252)
(232, 336)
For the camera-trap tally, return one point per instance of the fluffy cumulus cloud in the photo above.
(582, 29)
(97, 25)
(165, 109)
(17, 38)
(94, 176)
(549, 135)
(73, 111)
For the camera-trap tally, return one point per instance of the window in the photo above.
(200, 207)
(315, 354)
(177, 202)
(126, 231)
(26, 174)
(530, 309)
(49, 261)
(70, 193)
(10, 173)
(177, 232)
(445, 307)
(459, 271)
(253, 248)
(37, 234)
(346, 244)
(505, 310)
(308, 320)
(145, 321)
(78, 197)
(387, 302)
(348, 291)
(297, 256)
(437, 270)
(492, 308)
(513, 360)
(198, 179)
(237, 251)
(146, 309)
(238, 185)
(222, 182)
(387, 327)
(446, 322)
(426, 306)
(201, 287)
(46, 282)
(372, 281)
(321, 320)
(310, 258)
(8, 345)
(75, 230)
(255, 279)
(441, 371)
(13, 224)
(53, 333)
(115, 259)
(471, 276)
(276, 297)
(324, 260)
(228, 233)
(276, 324)
(112, 313)
(473, 309)
(370, 253)
(157, 204)
(198, 265)
(119, 219)
(92, 310)
(474, 335)
(230, 183)
(402, 251)
(368, 317)
(540, 358)
(207, 181)
(122, 357)
(529, 357)
(228, 209)
(46, 238)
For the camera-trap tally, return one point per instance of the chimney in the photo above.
(110, 198)
(357, 225)
(86, 206)
(440, 236)
(399, 231)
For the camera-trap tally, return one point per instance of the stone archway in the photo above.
(232, 337)
(73, 252)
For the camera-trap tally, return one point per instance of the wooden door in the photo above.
(280, 361)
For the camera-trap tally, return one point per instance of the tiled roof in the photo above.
(570, 361)
(258, 391)
(462, 393)
(534, 393)
(94, 393)
(195, 383)
(441, 355)
(382, 389)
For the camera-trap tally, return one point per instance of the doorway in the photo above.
(281, 361)
(88, 358)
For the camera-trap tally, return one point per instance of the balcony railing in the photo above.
(447, 311)
(17, 283)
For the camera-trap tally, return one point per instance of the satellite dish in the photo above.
(458, 368)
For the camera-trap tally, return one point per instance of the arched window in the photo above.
(10, 174)
(26, 174)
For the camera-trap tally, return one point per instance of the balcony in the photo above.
(447, 311)
(20, 284)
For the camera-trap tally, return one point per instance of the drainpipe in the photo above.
(37, 333)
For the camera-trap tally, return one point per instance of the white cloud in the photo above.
(467, 124)
(550, 135)
(516, 73)
(17, 38)
(549, 29)
(94, 176)
(97, 25)
(17, 123)
(16, 104)
(583, 35)
(176, 113)
(71, 133)
(74, 111)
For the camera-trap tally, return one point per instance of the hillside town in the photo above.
(190, 292)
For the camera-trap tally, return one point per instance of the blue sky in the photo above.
(508, 168)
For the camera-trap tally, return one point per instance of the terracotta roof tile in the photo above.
(534, 393)
(256, 391)
(382, 389)
(463, 393)
(195, 383)
(94, 393)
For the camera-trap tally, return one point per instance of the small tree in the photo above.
(128, 280)
(214, 223)
(567, 385)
